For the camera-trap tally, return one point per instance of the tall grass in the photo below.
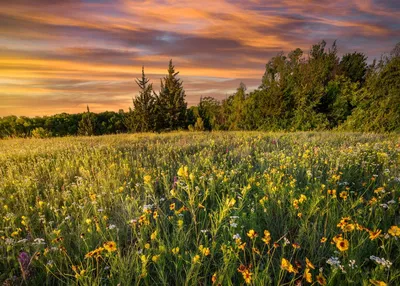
(201, 209)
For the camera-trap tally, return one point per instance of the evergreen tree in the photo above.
(86, 125)
(170, 103)
(144, 105)
(354, 66)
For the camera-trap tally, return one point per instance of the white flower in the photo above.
(38, 241)
(111, 226)
(286, 241)
(9, 241)
(50, 263)
(352, 264)
(236, 236)
(334, 262)
(22, 240)
(233, 224)
(147, 207)
(381, 261)
(391, 202)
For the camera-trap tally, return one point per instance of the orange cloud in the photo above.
(60, 56)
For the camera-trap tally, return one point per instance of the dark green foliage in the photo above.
(354, 66)
(170, 104)
(318, 91)
(378, 105)
(143, 113)
(86, 125)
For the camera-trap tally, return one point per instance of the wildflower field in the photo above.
(200, 209)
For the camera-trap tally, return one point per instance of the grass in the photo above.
(201, 208)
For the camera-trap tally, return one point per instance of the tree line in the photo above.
(314, 91)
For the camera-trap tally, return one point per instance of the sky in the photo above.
(59, 56)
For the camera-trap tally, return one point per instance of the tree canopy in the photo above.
(314, 90)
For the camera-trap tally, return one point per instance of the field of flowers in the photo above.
(201, 209)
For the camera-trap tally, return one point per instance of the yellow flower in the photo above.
(175, 250)
(88, 221)
(286, 265)
(230, 202)
(348, 227)
(309, 264)
(302, 198)
(110, 246)
(153, 236)
(247, 276)
(147, 246)
(374, 234)
(155, 214)
(147, 179)
(94, 253)
(180, 223)
(323, 239)
(57, 232)
(15, 233)
(332, 193)
(206, 251)
(267, 237)
(172, 206)
(183, 171)
(321, 279)
(155, 258)
(214, 278)
(394, 230)
(296, 245)
(242, 245)
(344, 195)
(377, 282)
(252, 234)
(342, 244)
(307, 275)
(196, 258)
(255, 250)
(143, 258)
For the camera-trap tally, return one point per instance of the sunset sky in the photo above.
(60, 57)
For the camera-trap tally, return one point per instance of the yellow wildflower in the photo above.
(394, 230)
(307, 275)
(286, 265)
(252, 234)
(374, 234)
(110, 246)
(309, 264)
(175, 250)
(267, 237)
(321, 279)
(196, 258)
(155, 258)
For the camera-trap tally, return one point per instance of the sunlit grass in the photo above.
(201, 208)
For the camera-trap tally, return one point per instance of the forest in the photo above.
(299, 91)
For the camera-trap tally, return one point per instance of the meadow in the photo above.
(220, 208)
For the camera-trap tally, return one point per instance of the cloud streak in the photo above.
(60, 57)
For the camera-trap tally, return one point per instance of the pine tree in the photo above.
(86, 125)
(171, 105)
(144, 105)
